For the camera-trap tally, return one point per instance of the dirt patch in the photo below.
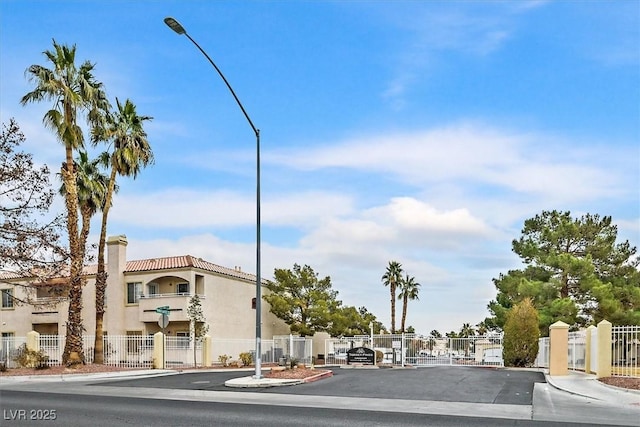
(63, 370)
(622, 382)
(295, 374)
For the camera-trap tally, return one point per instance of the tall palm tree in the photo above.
(408, 292)
(465, 332)
(483, 329)
(91, 186)
(131, 152)
(74, 91)
(392, 278)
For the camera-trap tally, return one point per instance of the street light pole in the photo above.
(179, 29)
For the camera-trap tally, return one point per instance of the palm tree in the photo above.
(465, 332)
(408, 292)
(73, 90)
(91, 186)
(483, 329)
(131, 151)
(392, 278)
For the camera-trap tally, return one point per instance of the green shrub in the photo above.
(3, 367)
(246, 358)
(379, 356)
(28, 358)
(224, 359)
(521, 334)
(293, 362)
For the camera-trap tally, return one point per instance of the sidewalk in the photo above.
(586, 385)
(130, 374)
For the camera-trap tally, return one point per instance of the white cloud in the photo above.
(416, 216)
(186, 208)
(474, 154)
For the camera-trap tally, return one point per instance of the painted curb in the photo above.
(320, 376)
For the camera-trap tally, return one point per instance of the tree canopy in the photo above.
(309, 304)
(29, 238)
(574, 272)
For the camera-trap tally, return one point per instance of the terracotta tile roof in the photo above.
(156, 264)
(184, 261)
(8, 275)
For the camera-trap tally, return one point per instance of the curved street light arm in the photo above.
(179, 29)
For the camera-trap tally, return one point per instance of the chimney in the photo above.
(116, 255)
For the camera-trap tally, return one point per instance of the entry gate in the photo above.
(419, 350)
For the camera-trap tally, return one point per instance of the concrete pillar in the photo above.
(559, 349)
(33, 341)
(206, 351)
(604, 350)
(158, 351)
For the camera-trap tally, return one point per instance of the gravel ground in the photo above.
(298, 373)
(622, 382)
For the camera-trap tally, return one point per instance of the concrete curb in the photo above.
(595, 390)
(319, 376)
(250, 382)
(86, 377)
(555, 385)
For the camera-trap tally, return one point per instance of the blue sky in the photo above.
(422, 132)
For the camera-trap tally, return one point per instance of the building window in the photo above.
(153, 289)
(134, 291)
(183, 288)
(7, 298)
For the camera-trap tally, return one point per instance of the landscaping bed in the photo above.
(622, 382)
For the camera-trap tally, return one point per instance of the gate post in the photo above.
(206, 350)
(559, 349)
(158, 351)
(604, 349)
(33, 341)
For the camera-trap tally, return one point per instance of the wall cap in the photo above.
(559, 325)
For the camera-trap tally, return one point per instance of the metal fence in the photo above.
(129, 351)
(136, 351)
(182, 352)
(542, 360)
(292, 347)
(419, 350)
(9, 350)
(577, 347)
(625, 347)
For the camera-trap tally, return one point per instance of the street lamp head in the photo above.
(174, 25)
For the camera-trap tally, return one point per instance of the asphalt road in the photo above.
(23, 408)
(442, 383)
(441, 396)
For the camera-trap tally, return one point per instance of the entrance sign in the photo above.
(363, 355)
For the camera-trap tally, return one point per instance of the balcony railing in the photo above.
(179, 294)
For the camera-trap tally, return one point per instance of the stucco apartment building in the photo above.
(135, 289)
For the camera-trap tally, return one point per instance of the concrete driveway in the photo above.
(440, 383)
